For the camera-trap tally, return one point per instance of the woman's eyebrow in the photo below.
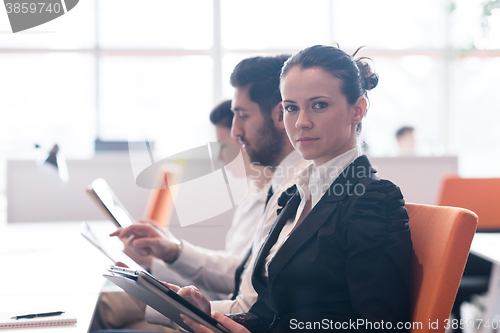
(314, 98)
(310, 99)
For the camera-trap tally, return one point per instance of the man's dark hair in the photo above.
(222, 114)
(402, 131)
(263, 74)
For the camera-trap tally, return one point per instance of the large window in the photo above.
(125, 69)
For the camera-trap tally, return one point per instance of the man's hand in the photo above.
(144, 261)
(158, 226)
(146, 239)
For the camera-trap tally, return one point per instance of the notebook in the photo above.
(64, 319)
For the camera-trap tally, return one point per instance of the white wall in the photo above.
(35, 194)
(418, 177)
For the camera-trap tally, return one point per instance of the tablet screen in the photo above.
(111, 203)
(110, 247)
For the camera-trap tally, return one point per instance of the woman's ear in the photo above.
(277, 115)
(359, 110)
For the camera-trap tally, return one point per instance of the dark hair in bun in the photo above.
(356, 74)
(369, 78)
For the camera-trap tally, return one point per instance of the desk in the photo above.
(487, 246)
(50, 267)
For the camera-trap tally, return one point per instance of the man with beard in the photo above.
(258, 126)
(117, 309)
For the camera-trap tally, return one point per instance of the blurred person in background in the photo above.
(406, 141)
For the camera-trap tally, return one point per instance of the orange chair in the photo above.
(160, 203)
(441, 239)
(481, 195)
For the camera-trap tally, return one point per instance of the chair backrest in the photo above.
(160, 203)
(480, 195)
(441, 239)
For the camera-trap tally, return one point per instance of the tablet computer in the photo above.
(102, 194)
(148, 289)
(110, 247)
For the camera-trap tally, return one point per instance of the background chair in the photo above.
(482, 196)
(160, 203)
(441, 239)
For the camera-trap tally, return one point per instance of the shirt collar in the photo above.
(257, 192)
(286, 170)
(315, 182)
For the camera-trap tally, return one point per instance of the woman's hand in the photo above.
(232, 326)
(193, 295)
(172, 286)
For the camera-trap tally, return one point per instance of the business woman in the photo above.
(338, 255)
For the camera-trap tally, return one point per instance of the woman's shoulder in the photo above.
(369, 185)
(379, 203)
(374, 188)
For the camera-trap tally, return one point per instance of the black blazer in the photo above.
(348, 259)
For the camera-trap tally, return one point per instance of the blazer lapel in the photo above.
(342, 186)
(306, 229)
(287, 212)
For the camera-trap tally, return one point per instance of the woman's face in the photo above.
(318, 120)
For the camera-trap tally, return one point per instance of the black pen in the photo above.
(47, 314)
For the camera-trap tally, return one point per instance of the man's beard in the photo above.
(268, 145)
